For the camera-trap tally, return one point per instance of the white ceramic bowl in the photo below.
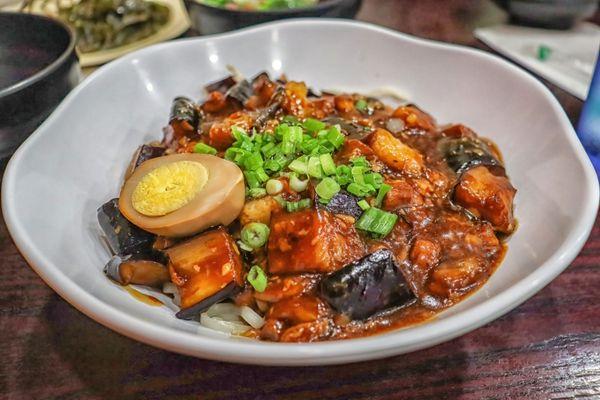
(75, 161)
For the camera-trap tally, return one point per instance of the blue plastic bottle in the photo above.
(588, 128)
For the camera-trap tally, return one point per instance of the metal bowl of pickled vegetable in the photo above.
(77, 159)
(216, 16)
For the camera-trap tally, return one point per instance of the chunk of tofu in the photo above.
(204, 265)
(312, 240)
(258, 210)
(487, 196)
(452, 278)
(296, 310)
(395, 154)
(283, 287)
(220, 136)
(402, 194)
(413, 117)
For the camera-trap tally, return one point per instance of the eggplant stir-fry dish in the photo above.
(273, 211)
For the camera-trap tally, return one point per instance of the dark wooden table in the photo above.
(548, 348)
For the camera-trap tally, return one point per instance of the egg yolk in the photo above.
(169, 187)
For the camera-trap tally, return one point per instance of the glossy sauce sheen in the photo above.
(444, 250)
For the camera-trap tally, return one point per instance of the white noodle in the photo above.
(171, 288)
(234, 328)
(216, 310)
(229, 318)
(252, 317)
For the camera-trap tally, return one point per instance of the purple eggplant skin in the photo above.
(241, 91)
(343, 203)
(222, 85)
(147, 152)
(124, 238)
(367, 286)
(194, 311)
(351, 129)
(465, 153)
(270, 110)
(184, 109)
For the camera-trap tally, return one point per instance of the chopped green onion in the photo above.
(255, 234)
(281, 160)
(343, 175)
(363, 204)
(272, 151)
(327, 188)
(232, 152)
(238, 133)
(251, 179)
(274, 186)
(244, 246)
(280, 200)
(358, 189)
(253, 161)
(314, 167)
(359, 162)
(299, 166)
(298, 185)
(262, 175)
(292, 206)
(290, 120)
(374, 179)
(335, 137)
(272, 165)
(325, 147)
(313, 125)
(309, 145)
(358, 175)
(381, 194)
(327, 164)
(377, 221)
(361, 105)
(267, 148)
(281, 131)
(257, 193)
(257, 278)
(203, 148)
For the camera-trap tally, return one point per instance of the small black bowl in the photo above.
(208, 19)
(38, 67)
(550, 14)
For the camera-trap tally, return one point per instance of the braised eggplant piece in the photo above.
(366, 286)
(192, 312)
(312, 240)
(269, 112)
(343, 203)
(204, 265)
(222, 85)
(122, 236)
(184, 110)
(144, 153)
(241, 91)
(142, 272)
(351, 129)
(466, 152)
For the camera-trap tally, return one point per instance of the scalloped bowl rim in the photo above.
(321, 353)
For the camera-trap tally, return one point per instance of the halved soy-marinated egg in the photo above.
(183, 194)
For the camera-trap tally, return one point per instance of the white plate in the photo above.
(75, 161)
